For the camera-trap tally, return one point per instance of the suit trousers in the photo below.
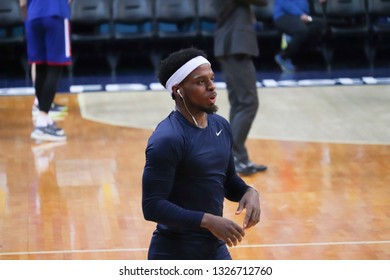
(240, 76)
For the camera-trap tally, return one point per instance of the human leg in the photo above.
(298, 32)
(56, 110)
(244, 103)
(45, 88)
(242, 92)
(39, 81)
(47, 74)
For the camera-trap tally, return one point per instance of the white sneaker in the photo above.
(48, 133)
(55, 112)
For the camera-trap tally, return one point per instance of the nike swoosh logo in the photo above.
(219, 132)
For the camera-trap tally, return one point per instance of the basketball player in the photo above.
(190, 170)
(48, 47)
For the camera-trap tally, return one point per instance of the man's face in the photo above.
(199, 90)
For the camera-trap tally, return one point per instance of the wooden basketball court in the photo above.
(82, 199)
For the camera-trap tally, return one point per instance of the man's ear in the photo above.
(176, 91)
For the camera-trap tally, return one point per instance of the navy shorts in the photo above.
(48, 41)
(188, 247)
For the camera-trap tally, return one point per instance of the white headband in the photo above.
(184, 71)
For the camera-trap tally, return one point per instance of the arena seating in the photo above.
(113, 29)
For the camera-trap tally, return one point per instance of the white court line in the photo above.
(237, 247)
(314, 244)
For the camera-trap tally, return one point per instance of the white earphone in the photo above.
(185, 105)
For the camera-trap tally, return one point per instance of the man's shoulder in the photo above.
(219, 119)
(168, 128)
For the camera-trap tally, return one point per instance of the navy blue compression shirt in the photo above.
(188, 172)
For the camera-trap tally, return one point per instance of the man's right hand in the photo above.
(223, 228)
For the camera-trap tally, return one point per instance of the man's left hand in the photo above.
(251, 202)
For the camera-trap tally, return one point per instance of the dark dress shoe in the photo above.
(249, 168)
(258, 167)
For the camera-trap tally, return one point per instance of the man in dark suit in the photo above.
(235, 45)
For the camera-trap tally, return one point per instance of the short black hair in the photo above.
(175, 60)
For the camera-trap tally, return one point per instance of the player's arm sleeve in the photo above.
(235, 187)
(162, 157)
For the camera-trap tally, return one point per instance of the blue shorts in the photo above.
(48, 41)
